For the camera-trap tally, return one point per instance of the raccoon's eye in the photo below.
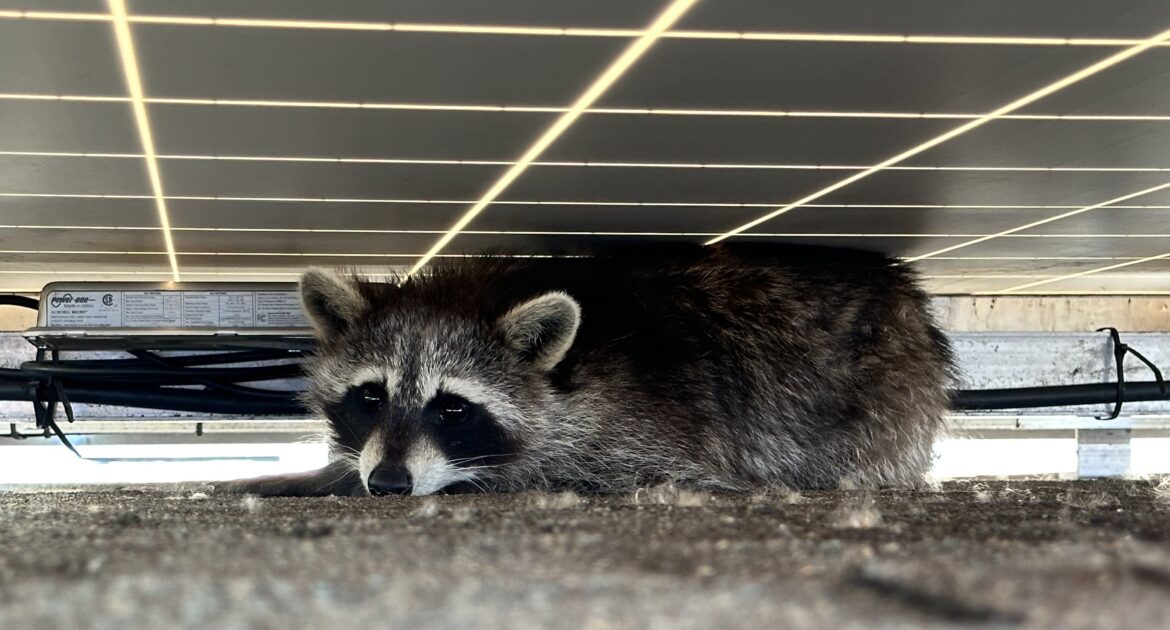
(371, 397)
(453, 410)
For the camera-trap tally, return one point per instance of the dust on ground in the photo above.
(991, 554)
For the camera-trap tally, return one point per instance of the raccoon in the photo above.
(725, 367)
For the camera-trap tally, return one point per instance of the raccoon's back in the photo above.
(678, 316)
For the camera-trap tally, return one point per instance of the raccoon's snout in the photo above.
(388, 479)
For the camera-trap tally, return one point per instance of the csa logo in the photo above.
(108, 299)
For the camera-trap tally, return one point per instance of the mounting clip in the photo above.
(1119, 351)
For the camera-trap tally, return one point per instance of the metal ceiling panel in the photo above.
(293, 179)
(842, 77)
(601, 218)
(595, 13)
(1041, 18)
(97, 261)
(652, 185)
(1156, 198)
(1068, 246)
(741, 140)
(67, 126)
(1081, 144)
(79, 240)
(1038, 267)
(1138, 86)
(291, 263)
(52, 57)
(187, 213)
(184, 61)
(995, 188)
(88, 6)
(77, 211)
(962, 221)
(24, 174)
(344, 133)
(300, 242)
(1113, 221)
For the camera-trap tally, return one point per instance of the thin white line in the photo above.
(1033, 224)
(604, 233)
(134, 84)
(1032, 97)
(558, 31)
(588, 163)
(566, 202)
(78, 154)
(616, 111)
(149, 273)
(1081, 274)
(1033, 258)
(55, 252)
(1033, 275)
(1085, 292)
(19, 96)
(50, 252)
(632, 53)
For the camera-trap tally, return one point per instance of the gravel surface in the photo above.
(995, 554)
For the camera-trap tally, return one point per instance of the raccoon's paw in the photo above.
(262, 486)
(332, 480)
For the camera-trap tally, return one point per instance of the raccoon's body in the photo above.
(723, 367)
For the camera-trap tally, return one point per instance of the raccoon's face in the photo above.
(426, 400)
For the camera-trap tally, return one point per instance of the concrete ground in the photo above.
(999, 554)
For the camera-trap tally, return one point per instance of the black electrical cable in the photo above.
(170, 376)
(1055, 396)
(192, 360)
(173, 399)
(230, 388)
(20, 300)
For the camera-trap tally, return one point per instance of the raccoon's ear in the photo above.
(331, 300)
(542, 329)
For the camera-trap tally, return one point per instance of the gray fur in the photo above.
(723, 368)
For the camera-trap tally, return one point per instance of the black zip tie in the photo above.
(1119, 351)
(31, 389)
(59, 388)
(44, 414)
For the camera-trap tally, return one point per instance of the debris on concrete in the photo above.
(857, 513)
(990, 554)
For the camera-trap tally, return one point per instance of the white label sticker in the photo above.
(175, 309)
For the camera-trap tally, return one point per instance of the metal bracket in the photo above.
(1119, 351)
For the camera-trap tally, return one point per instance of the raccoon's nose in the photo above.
(387, 479)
